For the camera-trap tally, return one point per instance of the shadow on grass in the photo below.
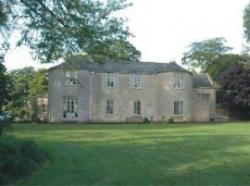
(142, 158)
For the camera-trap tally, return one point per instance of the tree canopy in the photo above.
(246, 22)
(54, 29)
(203, 53)
(234, 89)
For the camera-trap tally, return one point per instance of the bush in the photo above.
(171, 120)
(5, 121)
(19, 158)
(146, 121)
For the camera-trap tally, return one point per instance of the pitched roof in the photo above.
(201, 80)
(124, 67)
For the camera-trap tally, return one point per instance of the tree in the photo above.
(223, 62)
(38, 87)
(202, 54)
(246, 22)
(4, 86)
(55, 29)
(235, 88)
(18, 106)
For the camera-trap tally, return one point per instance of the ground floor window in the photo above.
(137, 107)
(109, 106)
(70, 107)
(178, 107)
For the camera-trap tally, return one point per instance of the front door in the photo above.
(70, 108)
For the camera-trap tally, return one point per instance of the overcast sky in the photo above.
(163, 28)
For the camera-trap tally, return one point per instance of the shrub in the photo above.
(171, 120)
(146, 121)
(19, 158)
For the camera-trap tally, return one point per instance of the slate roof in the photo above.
(125, 67)
(201, 80)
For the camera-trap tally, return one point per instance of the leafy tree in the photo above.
(38, 87)
(202, 54)
(235, 88)
(54, 29)
(246, 22)
(223, 62)
(4, 86)
(19, 104)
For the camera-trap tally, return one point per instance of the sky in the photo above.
(164, 28)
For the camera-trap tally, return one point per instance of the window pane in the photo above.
(110, 80)
(178, 107)
(109, 106)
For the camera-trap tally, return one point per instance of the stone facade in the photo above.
(100, 94)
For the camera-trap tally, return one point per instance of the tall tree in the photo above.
(38, 87)
(223, 62)
(246, 22)
(19, 105)
(54, 29)
(234, 89)
(203, 53)
(4, 86)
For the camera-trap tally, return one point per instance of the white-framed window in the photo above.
(178, 81)
(109, 106)
(136, 81)
(70, 78)
(70, 107)
(178, 108)
(110, 80)
(137, 107)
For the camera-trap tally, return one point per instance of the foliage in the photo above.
(27, 85)
(4, 86)
(54, 29)
(38, 87)
(246, 22)
(235, 88)
(223, 62)
(5, 122)
(171, 120)
(146, 121)
(18, 106)
(19, 158)
(202, 54)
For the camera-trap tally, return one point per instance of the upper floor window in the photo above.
(70, 78)
(178, 81)
(136, 81)
(110, 80)
(109, 107)
(178, 107)
(137, 107)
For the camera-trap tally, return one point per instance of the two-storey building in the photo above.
(128, 92)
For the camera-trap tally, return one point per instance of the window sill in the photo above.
(178, 88)
(179, 116)
(70, 86)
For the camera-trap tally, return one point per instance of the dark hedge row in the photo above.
(19, 158)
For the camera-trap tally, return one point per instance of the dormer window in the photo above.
(70, 78)
(178, 81)
(110, 80)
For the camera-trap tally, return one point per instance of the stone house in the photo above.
(111, 91)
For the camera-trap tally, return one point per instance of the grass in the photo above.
(200, 154)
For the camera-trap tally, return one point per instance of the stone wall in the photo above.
(157, 97)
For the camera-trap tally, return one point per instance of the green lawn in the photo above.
(204, 154)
